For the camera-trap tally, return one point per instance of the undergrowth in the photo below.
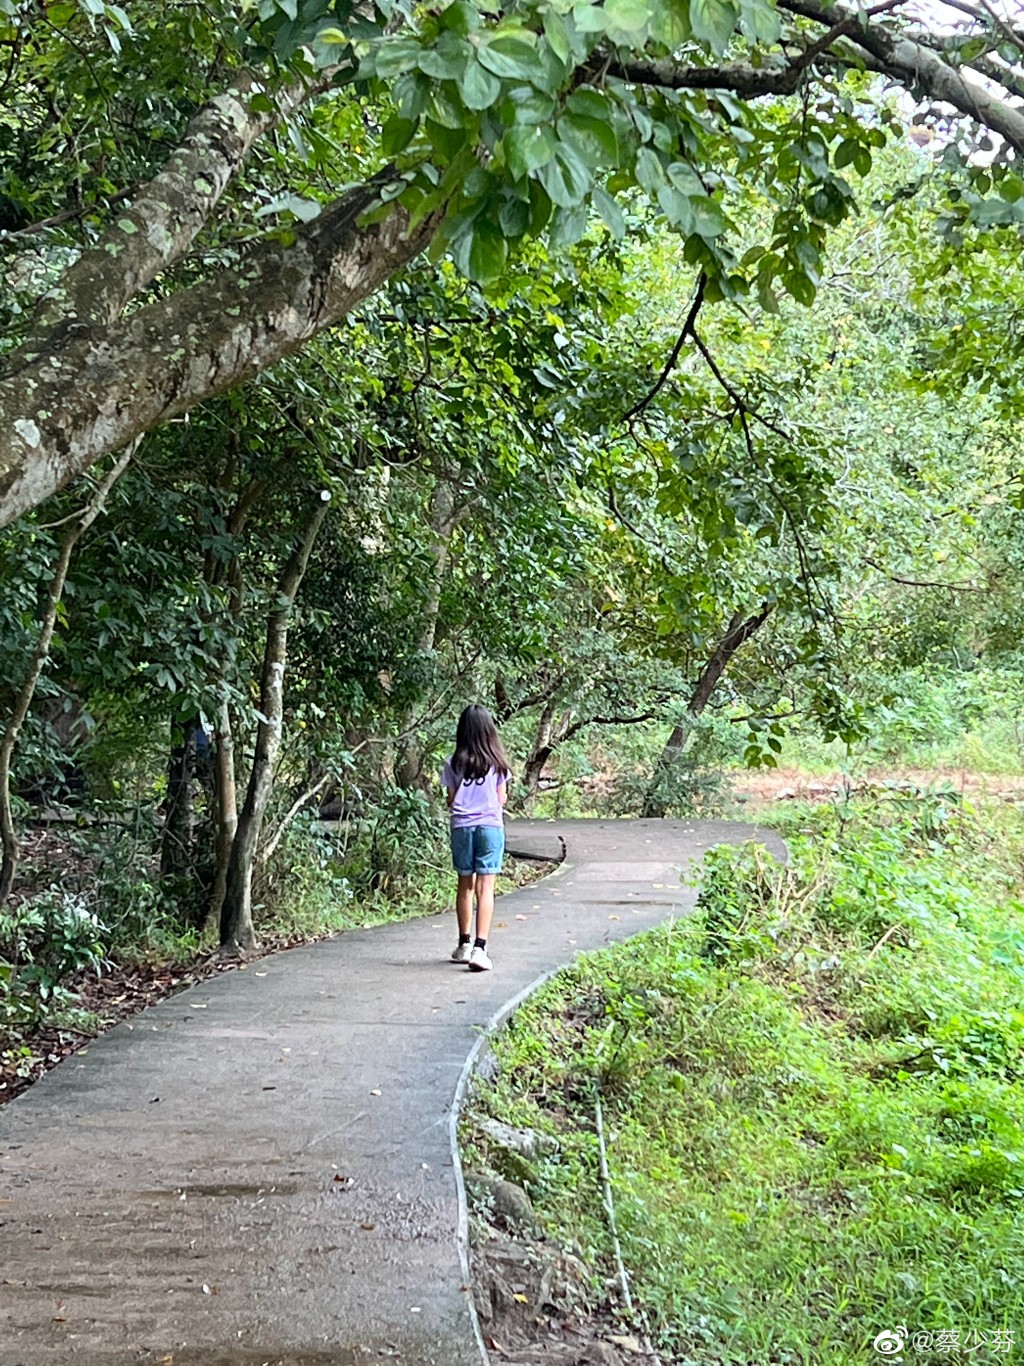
(814, 1093)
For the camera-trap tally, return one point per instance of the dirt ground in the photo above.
(537, 1306)
(758, 788)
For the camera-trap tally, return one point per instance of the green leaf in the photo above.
(677, 208)
(766, 295)
(482, 252)
(713, 23)
(557, 35)
(609, 211)
(670, 23)
(305, 210)
(846, 152)
(460, 17)
(528, 149)
(649, 172)
(708, 218)
(447, 141)
(445, 110)
(800, 287)
(589, 18)
(478, 87)
(510, 58)
(566, 178)
(396, 134)
(567, 226)
(395, 56)
(525, 105)
(540, 208)
(514, 217)
(629, 16)
(594, 139)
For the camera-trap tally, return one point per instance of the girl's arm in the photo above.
(502, 790)
(449, 796)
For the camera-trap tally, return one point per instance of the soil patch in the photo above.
(538, 1307)
(761, 787)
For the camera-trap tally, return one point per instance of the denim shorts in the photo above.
(477, 848)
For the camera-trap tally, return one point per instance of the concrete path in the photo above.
(260, 1169)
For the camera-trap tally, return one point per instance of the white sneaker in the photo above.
(478, 960)
(461, 952)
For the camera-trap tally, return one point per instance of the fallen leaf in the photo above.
(368, 1227)
(376, 1093)
(520, 917)
(614, 917)
(521, 1299)
(627, 1343)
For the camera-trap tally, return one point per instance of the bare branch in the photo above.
(688, 326)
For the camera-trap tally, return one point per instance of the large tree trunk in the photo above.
(23, 701)
(164, 358)
(737, 633)
(236, 927)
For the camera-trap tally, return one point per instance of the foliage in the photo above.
(43, 944)
(814, 1089)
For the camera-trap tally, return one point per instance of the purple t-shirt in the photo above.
(476, 800)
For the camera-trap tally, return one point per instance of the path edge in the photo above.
(487, 1032)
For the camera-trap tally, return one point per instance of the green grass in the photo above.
(814, 1090)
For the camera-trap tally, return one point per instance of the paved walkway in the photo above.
(260, 1169)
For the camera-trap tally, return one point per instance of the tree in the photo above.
(499, 128)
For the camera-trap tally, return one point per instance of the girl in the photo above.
(476, 779)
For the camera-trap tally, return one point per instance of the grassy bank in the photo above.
(813, 1092)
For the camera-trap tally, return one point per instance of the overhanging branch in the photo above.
(917, 66)
(168, 212)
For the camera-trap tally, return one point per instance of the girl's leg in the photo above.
(484, 903)
(464, 902)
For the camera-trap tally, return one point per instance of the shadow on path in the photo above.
(259, 1170)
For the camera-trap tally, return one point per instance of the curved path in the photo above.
(260, 1170)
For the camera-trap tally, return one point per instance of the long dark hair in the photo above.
(477, 746)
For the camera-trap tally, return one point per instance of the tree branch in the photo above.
(107, 385)
(168, 212)
(688, 326)
(916, 66)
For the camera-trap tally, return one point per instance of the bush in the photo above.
(43, 943)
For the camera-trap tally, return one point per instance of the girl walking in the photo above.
(476, 780)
